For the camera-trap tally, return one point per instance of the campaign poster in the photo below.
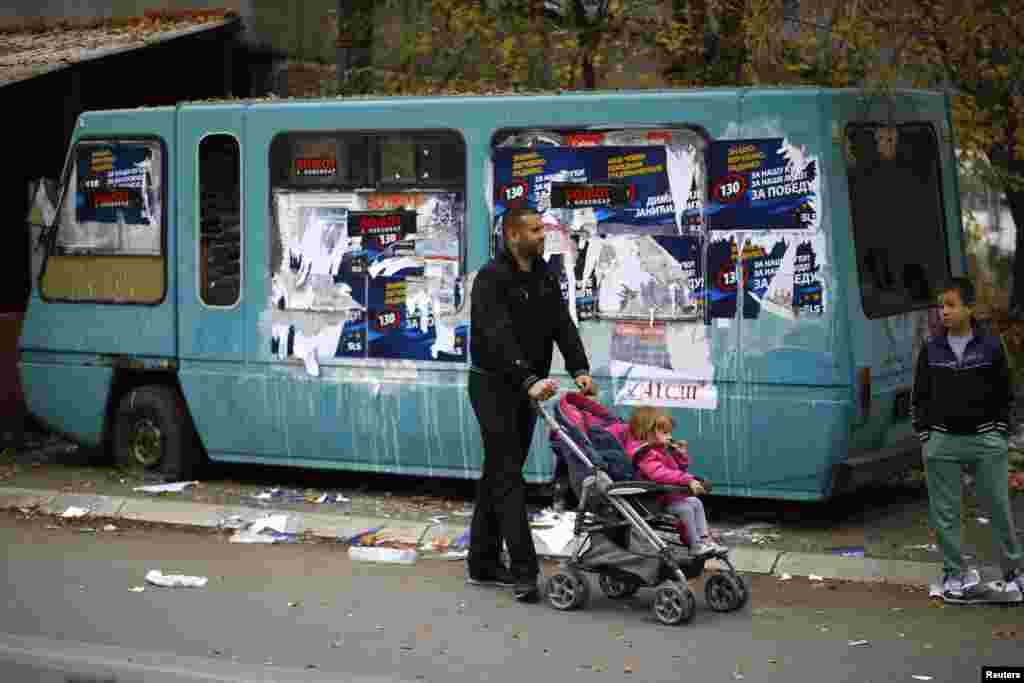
(808, 293)
(623, 223)
(614, 190)
(762, 260)
(722, 277)
(381, 271)
(116, 184)
(765, 183)
(643, 372)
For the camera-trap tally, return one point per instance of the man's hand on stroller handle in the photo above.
(542, 390)
(586, 385)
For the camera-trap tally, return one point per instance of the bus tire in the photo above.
(152, 430)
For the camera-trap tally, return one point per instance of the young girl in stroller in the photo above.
(649, 444)
(621, 532)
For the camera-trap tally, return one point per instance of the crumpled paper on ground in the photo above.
(157, 578)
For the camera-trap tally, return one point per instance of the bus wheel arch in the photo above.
(149, 427)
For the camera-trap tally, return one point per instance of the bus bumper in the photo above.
(865, 467)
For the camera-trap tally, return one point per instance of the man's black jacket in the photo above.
(972, 396)
(516, 318)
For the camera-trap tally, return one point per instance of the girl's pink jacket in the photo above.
(663, 466)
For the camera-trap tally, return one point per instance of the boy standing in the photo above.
(961, 410)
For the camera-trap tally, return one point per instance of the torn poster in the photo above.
(116, 185)
(765, 183)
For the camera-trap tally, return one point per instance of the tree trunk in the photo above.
(1016, 200)
(589, 78)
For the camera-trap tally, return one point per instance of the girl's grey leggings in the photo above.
(691, 511)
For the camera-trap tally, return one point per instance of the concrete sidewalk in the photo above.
(338, 525)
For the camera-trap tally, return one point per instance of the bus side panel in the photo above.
(68, 394)
(793, 360)
(888, 346)
(66, 347)
(392, 416)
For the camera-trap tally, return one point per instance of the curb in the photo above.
(322, 525)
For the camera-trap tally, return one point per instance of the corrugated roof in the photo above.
(32, 52)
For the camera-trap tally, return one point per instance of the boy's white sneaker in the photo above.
(1015, 584)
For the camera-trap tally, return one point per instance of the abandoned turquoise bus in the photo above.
(287, 282)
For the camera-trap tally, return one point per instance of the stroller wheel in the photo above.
(674, 603)
(567, 590)
(617, 588)
(725, 592)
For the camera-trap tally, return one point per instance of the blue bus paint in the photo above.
(788, 412)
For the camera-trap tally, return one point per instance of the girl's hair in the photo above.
(646, 420)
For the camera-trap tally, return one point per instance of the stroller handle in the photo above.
(556, 429)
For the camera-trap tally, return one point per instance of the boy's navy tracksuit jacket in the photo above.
(968, 396)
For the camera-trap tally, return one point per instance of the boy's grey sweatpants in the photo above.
(944, 458)
(691, 511)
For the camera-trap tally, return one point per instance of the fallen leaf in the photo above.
(424, 632)
(1008, 633)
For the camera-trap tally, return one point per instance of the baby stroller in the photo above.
(621, 533)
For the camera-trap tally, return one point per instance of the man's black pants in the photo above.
(507, 420)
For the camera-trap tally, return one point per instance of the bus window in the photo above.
(897, 214)
(624, 214)
(220, 220)
(368, 237)
(108, 246)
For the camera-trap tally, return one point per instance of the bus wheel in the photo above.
(152, 431)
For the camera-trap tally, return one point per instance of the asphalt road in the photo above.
(306, 613)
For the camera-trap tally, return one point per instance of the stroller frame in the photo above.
(674, 600)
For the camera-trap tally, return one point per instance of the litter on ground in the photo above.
(157, 578)
(176, 487)
(75, 512)
(386, 555)
(279, 528)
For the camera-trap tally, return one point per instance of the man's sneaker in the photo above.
(498, 576)
(526, 592)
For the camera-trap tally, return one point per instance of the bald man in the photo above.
(517, 315)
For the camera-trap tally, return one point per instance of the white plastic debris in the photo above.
(386, 555)
(858, 643)
(110, 527)
(176, 487)
(275, 528)
(157, 578)
(455, 555)
(137, 589)
(924, 546)
(785, 577)
(75, 512)
(983, 520)
(918, 677)
(815, 577)
(280, 523)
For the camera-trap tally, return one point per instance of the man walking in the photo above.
(961, 411)
(517, 315)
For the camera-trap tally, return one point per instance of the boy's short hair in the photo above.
(962, 285)
(646, 420)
